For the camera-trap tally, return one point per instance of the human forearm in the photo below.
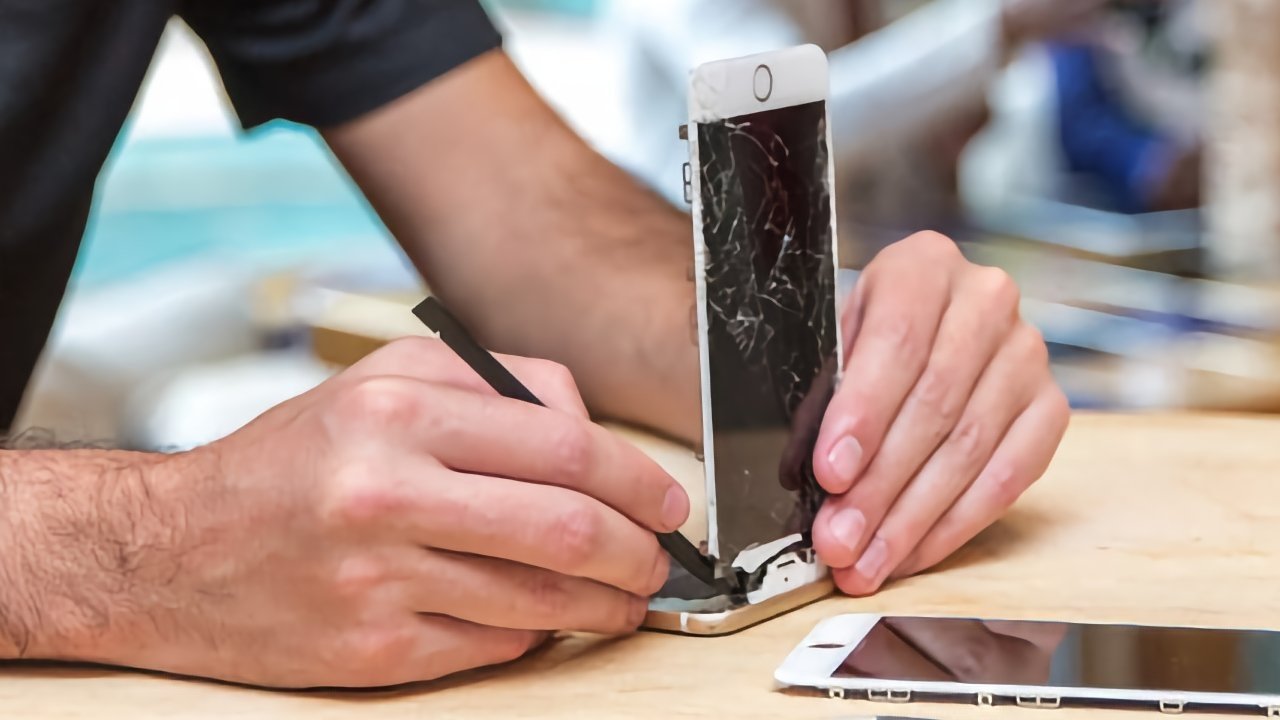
(612, 298)
(541, 245)
(86, 539)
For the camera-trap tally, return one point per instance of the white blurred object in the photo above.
(205, 402)
(1017, 155)
(1016, 163)
(885, 88)
(182, 95)
(575, 65)
(108, 341)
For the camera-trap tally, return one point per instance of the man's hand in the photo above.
(398, 523)
(945, 415)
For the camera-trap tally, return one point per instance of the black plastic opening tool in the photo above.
(437, 318)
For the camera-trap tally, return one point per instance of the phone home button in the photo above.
(762, 84)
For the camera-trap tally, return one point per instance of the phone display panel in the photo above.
(1058, 660)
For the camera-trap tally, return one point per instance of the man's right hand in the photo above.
(402, 522)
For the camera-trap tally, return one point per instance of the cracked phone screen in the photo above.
(771, 317)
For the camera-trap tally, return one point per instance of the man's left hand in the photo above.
(946, 413)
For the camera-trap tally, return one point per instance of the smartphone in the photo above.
(760, 183)
(1039, 664)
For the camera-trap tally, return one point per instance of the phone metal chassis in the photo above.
(739, 617)
(812, 667)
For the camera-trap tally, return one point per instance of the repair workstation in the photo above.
(729, 358)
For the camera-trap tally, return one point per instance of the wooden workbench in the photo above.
(1158, 518)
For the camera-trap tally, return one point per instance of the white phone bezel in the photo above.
(812, 667)
(725, 89)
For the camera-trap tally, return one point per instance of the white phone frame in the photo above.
(812, 667)
(726, 89)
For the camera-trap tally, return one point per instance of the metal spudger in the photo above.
(434, 316)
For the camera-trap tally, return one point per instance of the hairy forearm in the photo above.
(602, 283)
(84, 535)
(542, 246)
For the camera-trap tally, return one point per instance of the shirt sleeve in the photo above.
(324, 62)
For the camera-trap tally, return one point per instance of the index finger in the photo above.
(507, 438)
(430, 360)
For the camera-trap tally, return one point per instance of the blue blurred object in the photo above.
(583, 8)
(273, 196)
(1099, 137)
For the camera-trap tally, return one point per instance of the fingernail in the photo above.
(872, 561)
(675, 507)
(845, 458)
(847, 526)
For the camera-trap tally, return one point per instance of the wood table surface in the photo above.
(1157, 518)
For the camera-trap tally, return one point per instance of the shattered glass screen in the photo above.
(1068, 655)
(771, 335)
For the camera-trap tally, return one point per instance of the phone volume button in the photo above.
(687, 171)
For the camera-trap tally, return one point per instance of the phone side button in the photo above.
(687, 171)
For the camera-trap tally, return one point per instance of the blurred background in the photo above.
(1120, 158)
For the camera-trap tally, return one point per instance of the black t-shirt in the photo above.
(69, 72)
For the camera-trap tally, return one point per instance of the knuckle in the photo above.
(1035, 351)
(969, 443)
(1059, 407)
(1005, 483)
(547, 597)
(378, 403)
(556, 377)
(378, 651)
(658, 565)
(357, 577)
(898, 331)
(561, 376)
(577, 530)
(573, 447)
(512, 646)
(360, 498)
(622, 617)
(396, 351)
(937, 393)
(932, 242)
(999, 288)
